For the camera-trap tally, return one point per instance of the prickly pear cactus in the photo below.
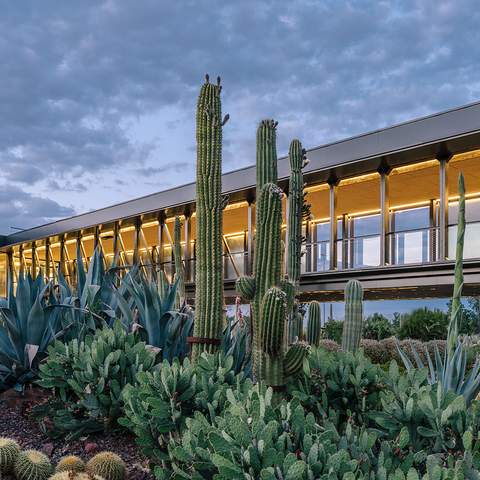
(353, 323)
(209, 249)
(314, 324)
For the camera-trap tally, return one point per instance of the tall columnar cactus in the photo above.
(314, 324)
(266, 164)
(352, 325)
(295, 210)
(209, 267)
(179, 268)
(456, 310)
(295, 327)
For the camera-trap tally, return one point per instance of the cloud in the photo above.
(78, 77)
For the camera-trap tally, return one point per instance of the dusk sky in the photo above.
(97, 99)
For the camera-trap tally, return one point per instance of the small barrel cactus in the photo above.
(293, 361)
(107, 465)
(70, 463)
(314, 324)
(72, 475)
(352, 325)
(9, 450)
(32, 465)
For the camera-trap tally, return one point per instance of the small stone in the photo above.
(90, 447)
(48, 448)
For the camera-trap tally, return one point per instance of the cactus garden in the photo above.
(172, 387)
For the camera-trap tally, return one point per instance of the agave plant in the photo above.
(450, 372)
(27, 327)
(148, 306)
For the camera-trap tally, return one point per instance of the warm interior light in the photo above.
(360, 178)
(465, 156)
(233, 206)
(415, 166)
(87, 237)
(154, 223)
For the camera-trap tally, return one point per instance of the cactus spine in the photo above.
(314, 324)
(179, 269)
(32, 465)
(352, 325)
(209, 267)
(70, 463)
(107, 465)
(9, 450)
(456, 313)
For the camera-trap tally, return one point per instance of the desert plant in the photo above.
(352, 325)
(314, 324)
(32, 465)
(98, 370)
(9, 450)
(70, 463)
(107, 465)
(377, 327)
(74, 475)
(423, 324)
(332, 330)
(209, 205)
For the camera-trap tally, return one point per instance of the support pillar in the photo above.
(345, 241)
(136, 241)
(10, 272)
(432, 242)
(47, 258)
(34, 260)
(333, 184)
(22, 260)
(384, 171)
(116, 250)
(443, 158)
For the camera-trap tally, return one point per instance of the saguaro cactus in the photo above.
(209, 265)
(314, 324)
(179, 268)
(352, 325)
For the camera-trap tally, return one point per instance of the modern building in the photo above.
(384, 207)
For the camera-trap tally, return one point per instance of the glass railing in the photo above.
(412, 246)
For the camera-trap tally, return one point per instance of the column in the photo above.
(34, 260)
(333, 184)
(443, 159)
(384, 172)
(47, 258)
(186, 248)
(116, 250)
(136, 241)
(345, 241)
(432, 244)
(10, 272)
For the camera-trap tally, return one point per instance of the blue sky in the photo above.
(97, 98)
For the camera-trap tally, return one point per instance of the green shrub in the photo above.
(161, 402)
(375, 351)
(377, 327)
(91, 376)
(423, 324)
(332, 330)
(329, 345)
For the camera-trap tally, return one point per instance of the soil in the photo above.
(16, 423)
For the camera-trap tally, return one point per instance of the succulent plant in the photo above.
(314, 324)
(353, 323)
(9, 450)
(32, 465)
(209, 205)
(74, 475)
(70, 463)
(107, 465)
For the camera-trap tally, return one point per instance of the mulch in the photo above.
(16, 423)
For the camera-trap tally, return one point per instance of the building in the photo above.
(384, 208)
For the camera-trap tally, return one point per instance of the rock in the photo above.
(90, 447)
(48, 448)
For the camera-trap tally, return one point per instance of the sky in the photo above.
(97, 98)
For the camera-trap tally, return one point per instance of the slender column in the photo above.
(34, 260)
(432, 237)
(351, 242)
(443, 159)
(161, 238)
(249, 266)
(186, 248)
(96, 238)
(384, 171)
(136, 240)
(116, 250)
(47, 258)
(308, 241)
(333, 184)
(344, 241)
(10, 271)
(22, 260)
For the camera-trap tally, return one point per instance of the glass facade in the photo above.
(378, 220)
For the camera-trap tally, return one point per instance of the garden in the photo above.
(118, 376)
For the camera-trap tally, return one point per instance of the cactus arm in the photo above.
(209, 261)
(245, 287)
(352, 324)
(314, 324)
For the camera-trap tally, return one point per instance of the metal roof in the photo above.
(456, 130)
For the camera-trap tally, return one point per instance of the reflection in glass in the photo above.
(411, 235)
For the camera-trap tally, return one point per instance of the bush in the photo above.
(377, 327)
(329, 345)
(332, 330)
(90, 377)
(423, 324)
(375, 351)
(159, 405)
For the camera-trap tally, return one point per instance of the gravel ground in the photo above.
(25, 431)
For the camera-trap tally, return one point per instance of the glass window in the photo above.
(234, 256)
(366, 241)
(412, 219)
